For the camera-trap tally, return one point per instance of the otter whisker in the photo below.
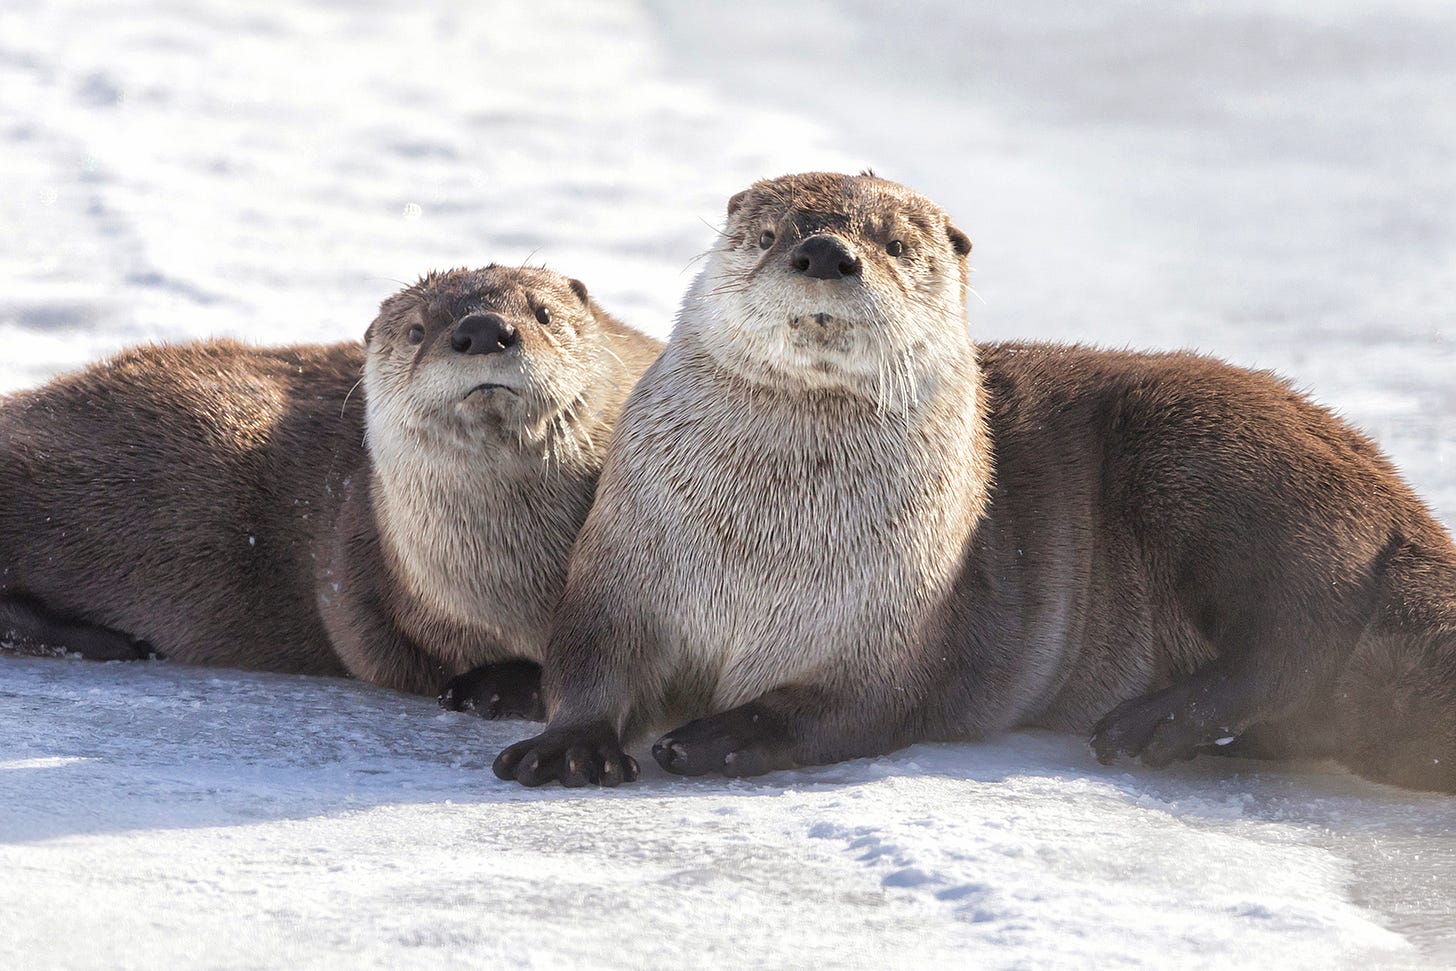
(607, 346)
(570, 439)
(590, 442)
(715, 229)
(701, 256)
(343, 407)
(879, 382)
(551, 339)
(730, 286)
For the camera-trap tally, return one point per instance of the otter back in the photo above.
(179, 494)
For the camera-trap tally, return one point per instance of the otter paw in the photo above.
(511, 689)
(742, 742)
(1157, 729)
(575, 756)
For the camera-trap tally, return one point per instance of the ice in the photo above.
(1270, 182)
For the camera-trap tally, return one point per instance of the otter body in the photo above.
(256, 508)
(830, 526)
(177, 496)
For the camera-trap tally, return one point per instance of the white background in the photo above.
(1273, 182)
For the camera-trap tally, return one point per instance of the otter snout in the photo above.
(483, 334)
(824, 257)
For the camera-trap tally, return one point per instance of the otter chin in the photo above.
(830, 525)
(496, 403)
(265, 508)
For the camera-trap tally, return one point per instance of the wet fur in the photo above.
(820, 554)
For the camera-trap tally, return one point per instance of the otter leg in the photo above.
(373, 649)
(600, 679)
(1175, 723)
(1219, 701)
(748, 740)
(510, 689)
(782, 729)
(30, 628)
(1280, 645)
(356, 605)
(1313, 733)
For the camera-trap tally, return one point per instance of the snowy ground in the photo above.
(1274, 182)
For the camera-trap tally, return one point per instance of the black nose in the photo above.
(483, 334)
(824, 258)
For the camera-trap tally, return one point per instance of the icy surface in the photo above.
(165, 816)
(1273, 182)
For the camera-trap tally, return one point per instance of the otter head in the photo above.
(835, 281)
(477, 356)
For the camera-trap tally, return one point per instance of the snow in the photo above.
(1272, 182)
(159, 816)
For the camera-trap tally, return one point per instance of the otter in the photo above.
(253, 507)
(829, 525)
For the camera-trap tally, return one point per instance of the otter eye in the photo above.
(895, 247)
(766, 239)
(416, 335)
(543, 315)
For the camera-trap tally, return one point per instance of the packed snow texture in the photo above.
(1272, 182)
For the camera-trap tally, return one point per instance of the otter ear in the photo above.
(388, 307)
(736, 203)
(959, 241)
(578, 288)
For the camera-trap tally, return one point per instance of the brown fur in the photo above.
(1161, 549)
(218, 504)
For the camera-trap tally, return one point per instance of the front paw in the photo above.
(574, 756)
(745, 741)
(1159, 729)
(510, 689)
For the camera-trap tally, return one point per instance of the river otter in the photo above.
(253, 507)
(829, 526)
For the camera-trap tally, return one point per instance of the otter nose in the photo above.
(483, 334)
(824, 258)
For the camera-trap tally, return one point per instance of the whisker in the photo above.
(713, 228)
(607, 346)
(729, 287)
(551, 339)
(688, 265)
(389, 279)
(345, 405)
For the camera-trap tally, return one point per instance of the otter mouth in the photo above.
(822, 320)
(821, 326)
(823, 333)
(489, 386)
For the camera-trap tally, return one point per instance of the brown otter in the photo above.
(829, 526)
(248, 507)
